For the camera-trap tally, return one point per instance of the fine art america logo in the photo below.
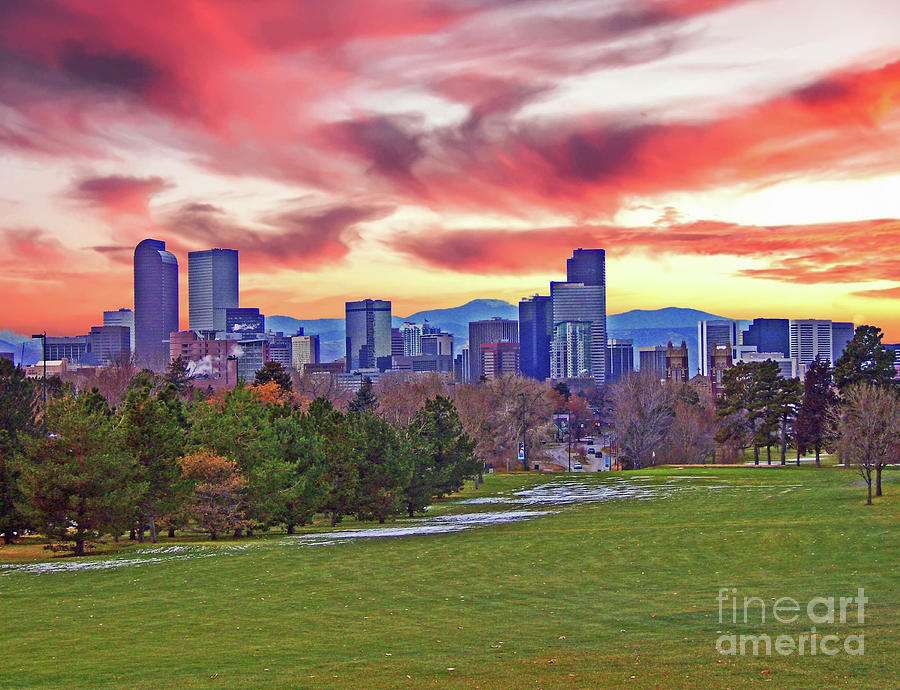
(823, 611)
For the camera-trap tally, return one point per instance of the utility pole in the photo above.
(43, 339)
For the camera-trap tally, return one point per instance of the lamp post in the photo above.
(569, 429)
(43, 339)
(524, 434)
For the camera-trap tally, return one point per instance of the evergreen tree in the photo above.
(443, 454)
(384, 467)
(818, 397)
(340, 471)
(788, 397)
(294, 476)
(153, 436)
(364, 401)
(177, 375)
(865, 360)
(76, 481)
(18, 412)
(274, 371)
(748, 400)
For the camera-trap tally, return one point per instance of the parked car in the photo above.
(577, 466)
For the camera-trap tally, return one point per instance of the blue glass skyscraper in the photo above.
(212, 288)
(155, 301)
(535, 332)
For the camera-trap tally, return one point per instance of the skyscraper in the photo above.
(212, 288)
(155, 301)
(304, 350)
(495, 330)
(769, 335)
(368, 334)
(619, 359)
(412, 338)
(535, 332)
(108, 343)
(711, 334)
(842, 332)
(500, 359)
(810, 338)
(653, 359)
(570, 350)
(578, 302)
(587, 266)
(121, 317)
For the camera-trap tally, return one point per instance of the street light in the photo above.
(43, 339)
(524, 454)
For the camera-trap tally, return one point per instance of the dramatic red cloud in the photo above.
(299, 238)
(835, 127)
(841, 252)
(119, 194)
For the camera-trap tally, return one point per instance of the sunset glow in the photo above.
(736, 156)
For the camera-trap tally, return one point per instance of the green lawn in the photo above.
(617, 593)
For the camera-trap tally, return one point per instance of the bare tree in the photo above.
(865, 429)
(312, 385)
(402, 394)
(492, 414)
(643, 415)
(691, 436)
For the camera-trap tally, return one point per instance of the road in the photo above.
(559, 454)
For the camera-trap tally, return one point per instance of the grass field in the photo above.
(612, 593)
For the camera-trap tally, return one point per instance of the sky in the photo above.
(736, 156)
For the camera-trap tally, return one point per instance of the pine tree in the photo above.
(153, 436)
(77, 483)
(364, 401)
(384, 467)
(443, 454)
(865, 360)
(340, 471)
(274, 371)
(818, 397)
(18, 412)
(293, 476)
(177, 375)
(748, 400)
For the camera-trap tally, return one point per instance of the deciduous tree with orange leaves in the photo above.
(219, 498)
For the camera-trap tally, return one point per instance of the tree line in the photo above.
(236, 462)
(851, 408)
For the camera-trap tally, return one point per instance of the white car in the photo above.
(577, 466)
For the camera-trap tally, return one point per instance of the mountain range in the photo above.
(645, 327)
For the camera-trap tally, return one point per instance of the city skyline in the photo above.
(438, 154)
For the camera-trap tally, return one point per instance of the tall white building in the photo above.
(810, 338)
(304, 350)
(412, 339)
(570, 350)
